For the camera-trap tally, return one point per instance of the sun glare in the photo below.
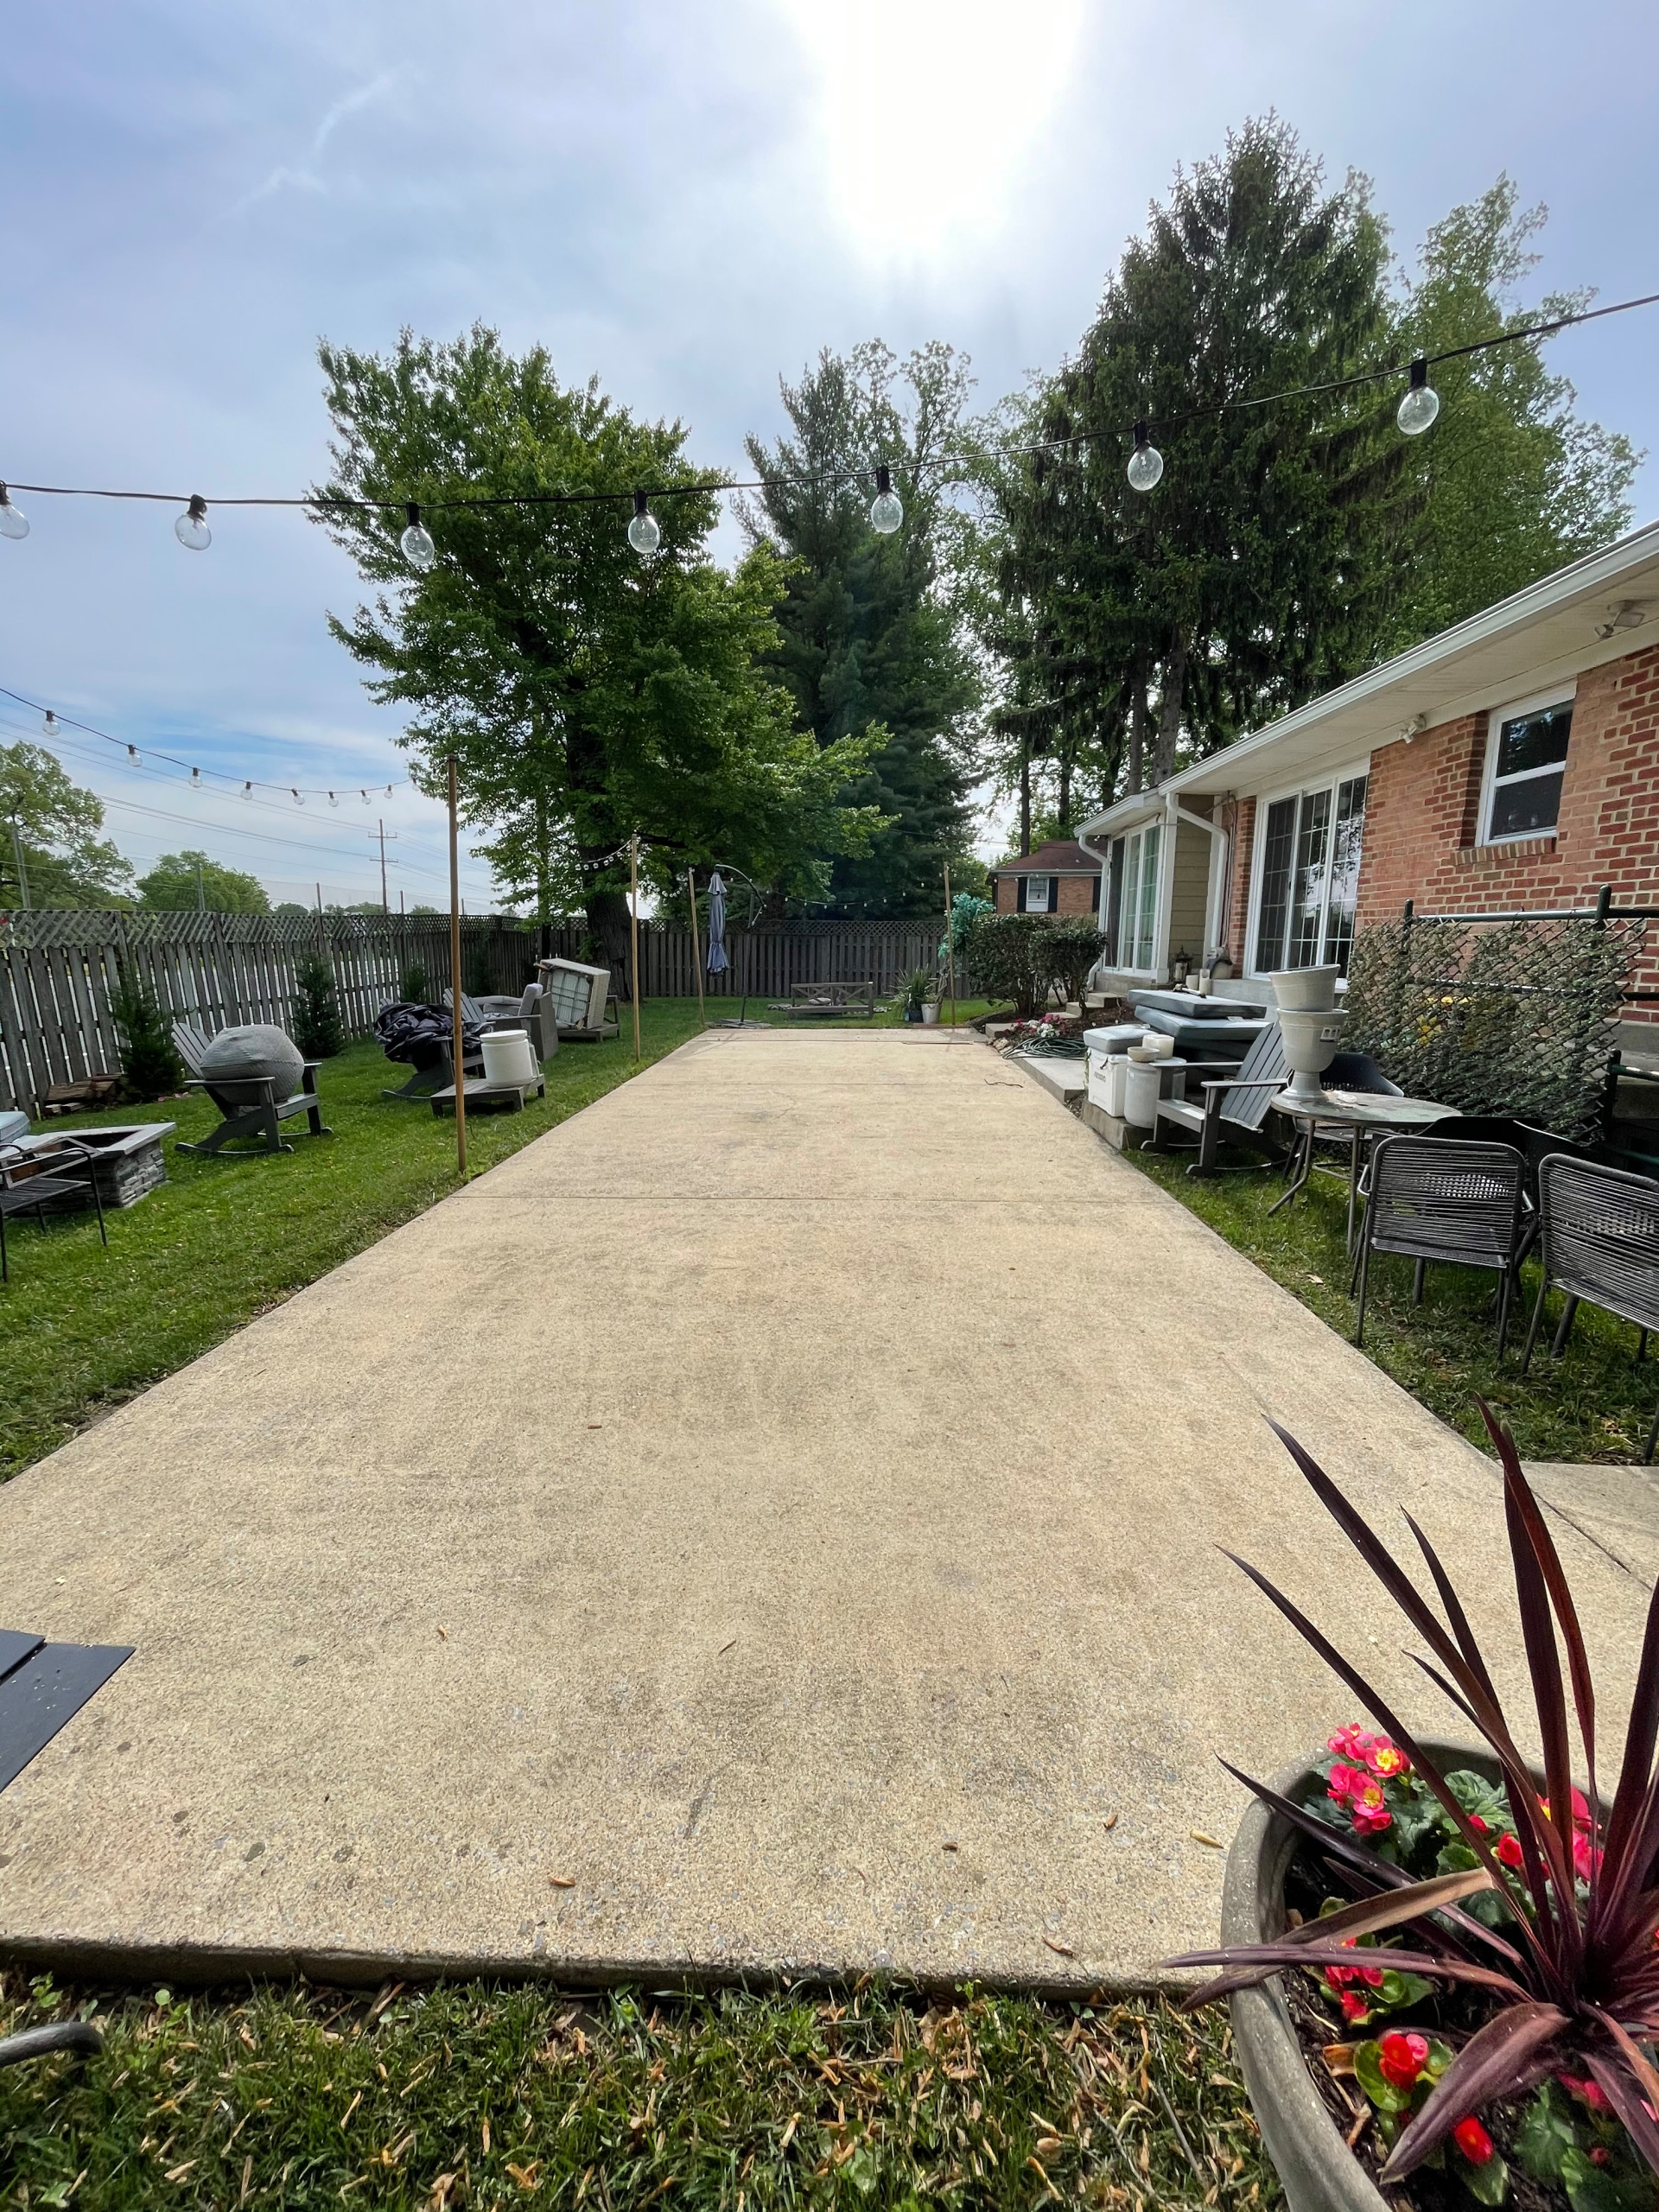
(928, 109)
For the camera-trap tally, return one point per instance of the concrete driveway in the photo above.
(780, 1504)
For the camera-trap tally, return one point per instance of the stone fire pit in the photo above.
(128, 1161)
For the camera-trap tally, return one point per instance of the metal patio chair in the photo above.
(1462, 1203)
(1600, 1230)
(26, 1187)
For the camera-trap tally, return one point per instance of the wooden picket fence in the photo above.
(59, 967)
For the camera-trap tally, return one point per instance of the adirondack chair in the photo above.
(249, 1103)
(1236, 1103)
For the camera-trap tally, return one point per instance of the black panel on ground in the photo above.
(38, 1697)
(15, 1645)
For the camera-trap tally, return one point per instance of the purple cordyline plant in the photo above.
(1574, 1971)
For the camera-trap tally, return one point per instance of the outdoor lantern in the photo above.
(1183, 968)
(1421, 403)
(14, 523)
(1146, 462)
(644, 533)
(191, 528)
(417, 542)
(887, 510)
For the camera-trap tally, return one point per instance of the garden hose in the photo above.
(36, 2043)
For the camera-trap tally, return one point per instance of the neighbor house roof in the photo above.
(1062, 857)
(1545, 635)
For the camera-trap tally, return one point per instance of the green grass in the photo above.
(1593, 1403)
(82, 1329)
(305, 2097)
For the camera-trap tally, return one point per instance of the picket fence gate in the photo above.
(59, 969)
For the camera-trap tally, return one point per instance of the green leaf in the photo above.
(1602, 2189)
(1401, 1990)
(1476, 1795)
(1546, 2134)
(1368, 2068)
(1487, 2184)
(863, 2169)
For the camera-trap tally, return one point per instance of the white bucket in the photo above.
(1305, 989)
(930, 1012)
(507, 1057)
(1117, 1075)
(1140, 1090)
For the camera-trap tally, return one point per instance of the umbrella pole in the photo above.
(457, 1053)
(696, 950)
(949, 952)
(633, 934)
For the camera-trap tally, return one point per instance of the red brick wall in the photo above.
(1238, 819)
(1079, 894)
(1421, 815)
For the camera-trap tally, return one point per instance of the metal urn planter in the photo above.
(1317, 2170)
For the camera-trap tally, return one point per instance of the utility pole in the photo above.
(201, 896)
(380, 831)
(456, 1053)
(22, 873)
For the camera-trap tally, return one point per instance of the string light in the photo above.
(195, 779)
(644, 533)
(417, 542)
(333, 801)
(51, 724)
(1146, 462)
(886, 509)
(191, 528)
(247, 791)
(1422, 403)
(298, 801)
(135, 756)
(14, 523)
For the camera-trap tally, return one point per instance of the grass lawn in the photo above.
(475, 2095)
(1594, 1403)
(81, 1329)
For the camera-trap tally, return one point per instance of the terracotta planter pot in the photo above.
(1318, 2172)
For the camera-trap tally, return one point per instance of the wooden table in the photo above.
(1361, 1113)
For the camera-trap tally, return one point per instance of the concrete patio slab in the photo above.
(783, 1501)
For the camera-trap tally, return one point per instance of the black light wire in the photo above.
(323, 503)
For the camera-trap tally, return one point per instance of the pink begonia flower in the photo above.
(1586, 1858)
(1352, 1742)
(1386, 1759)
(1370, 1808)
(1402, 2058)
(1590, 2093)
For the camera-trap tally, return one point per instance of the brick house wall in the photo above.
(1079, 894)
(1422, 815)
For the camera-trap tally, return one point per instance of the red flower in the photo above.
(1472, 2140)
(1590, 2093)
(1509, 1851)
(1402, 2058)
(1344, 1780)
(1479, 1825)
(1371, 1808)
(1352, 1742)
(1586, 1858)
(1354, 2006)
(1386, 1759)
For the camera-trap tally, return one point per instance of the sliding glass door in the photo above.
(1138, 902)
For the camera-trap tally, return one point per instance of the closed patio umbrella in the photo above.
(718, 963)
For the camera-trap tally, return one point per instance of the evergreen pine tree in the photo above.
(317, 1028)
(150, 1067)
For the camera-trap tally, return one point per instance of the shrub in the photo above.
(918, 987)
(1545, 1900)
(1019, 957)
(317, 1029)
(150, 1066)
(414, 984)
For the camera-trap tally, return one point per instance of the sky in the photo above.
(686, 200)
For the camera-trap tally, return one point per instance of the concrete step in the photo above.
(1064, 1079)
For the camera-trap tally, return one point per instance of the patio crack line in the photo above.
(1590, 1537)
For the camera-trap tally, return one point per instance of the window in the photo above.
(1036, 889)
(1138, 910)
(1526, 763)
(1309, 877)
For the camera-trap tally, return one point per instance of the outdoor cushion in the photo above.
(1196, 1009)
(12, 1126)
(1227, 1039)
(1115, 1038)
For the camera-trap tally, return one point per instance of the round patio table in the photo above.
(1357, 1115)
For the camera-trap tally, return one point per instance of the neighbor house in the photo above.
(1057, 879)
(1510, 764)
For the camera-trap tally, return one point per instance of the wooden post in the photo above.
(633, 933)
(696, 950)
(950, 950)
(457, 1053)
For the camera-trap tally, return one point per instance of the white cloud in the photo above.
(304, 177)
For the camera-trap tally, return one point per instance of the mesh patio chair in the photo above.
(1600, 1230)
(1463, 1203)
(27, 1187)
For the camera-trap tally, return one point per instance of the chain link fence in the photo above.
(1513, 1013)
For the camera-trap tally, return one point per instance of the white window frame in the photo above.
(1121, 966)
(1496, 716)
(1043, 878)
(1329, 779)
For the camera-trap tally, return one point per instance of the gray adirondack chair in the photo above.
(1234, 1104)
(249, 1103)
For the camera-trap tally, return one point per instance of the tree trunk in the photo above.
(1066, 790)
(1138, 722)
(1025, 794)
(607, 922)
(543, 863)
(1169, 707)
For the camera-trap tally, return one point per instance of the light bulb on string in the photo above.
(298, 801)
(191, 528)
(364, 797)
(1146, 462)
(644, 533)
(195, 779)
(417, 542)
(14, 523)
(333, 801)
(1422, 403)
(886, 509)
(135, 756)
(51, 724)
(247, 791)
